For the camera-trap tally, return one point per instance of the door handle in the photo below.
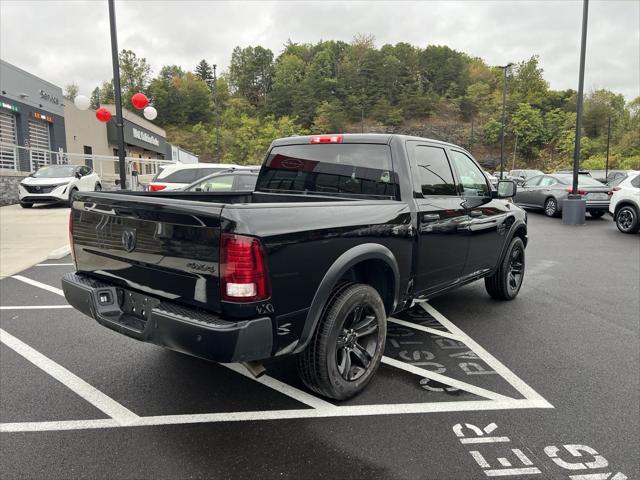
(475, 213)
(430, 217)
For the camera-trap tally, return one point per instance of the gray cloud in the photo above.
(66, 42)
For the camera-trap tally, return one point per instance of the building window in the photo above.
(88, 156)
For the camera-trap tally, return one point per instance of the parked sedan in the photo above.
(226, 181)
(548, 192)
(57, 184)
(521, 176)
(625, 204)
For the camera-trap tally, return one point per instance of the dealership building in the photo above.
(89, 141)
(32, 117)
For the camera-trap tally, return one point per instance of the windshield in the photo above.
(351, 169)
(55, 171)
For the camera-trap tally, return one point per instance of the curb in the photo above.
(59, 253)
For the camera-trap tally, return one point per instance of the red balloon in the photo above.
(140, 101)
(103, 114)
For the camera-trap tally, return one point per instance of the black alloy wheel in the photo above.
(506, 282)
(627, 220)
(516, 268)
(357, 343)
(347, 346)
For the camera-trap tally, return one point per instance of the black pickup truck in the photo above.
(341, 232)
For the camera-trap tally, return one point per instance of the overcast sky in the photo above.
(66, 42)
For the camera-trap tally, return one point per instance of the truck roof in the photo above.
(382, 138)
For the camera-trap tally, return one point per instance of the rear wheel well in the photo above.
(377, 274)
(624, 203)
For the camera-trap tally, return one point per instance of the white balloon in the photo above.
(150, 113)
(82, 102)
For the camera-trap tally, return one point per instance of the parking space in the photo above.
(468, 388)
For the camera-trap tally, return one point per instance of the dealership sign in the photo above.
(145, 137)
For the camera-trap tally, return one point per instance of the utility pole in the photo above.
(606, 168)
(504, 105)
(118, 96)
(361, 118)
(574, 208)
(215, 108)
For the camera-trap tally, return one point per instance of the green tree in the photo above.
(71, 91)
(250, 73)
(528, 84)
(445, 70)
(204, 72)
(134, 75)
(527, 125)
(107, 95)
(491, 132)
(330, 118)
(94, 100)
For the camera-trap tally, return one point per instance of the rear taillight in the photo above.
(73, 253)
(580, 192)
(243, 269)
(326, 139)
(614, 189)
(156, 188)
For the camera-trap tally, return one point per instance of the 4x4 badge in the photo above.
(129, 240)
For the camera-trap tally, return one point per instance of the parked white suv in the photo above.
(57, 184)
(625, 203)
(180, 175)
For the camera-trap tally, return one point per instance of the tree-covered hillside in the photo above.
(333, 86)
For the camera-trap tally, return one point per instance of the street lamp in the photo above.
(118, 95)
(504, 104)
(574, 206)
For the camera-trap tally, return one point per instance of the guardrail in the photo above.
(139, 171)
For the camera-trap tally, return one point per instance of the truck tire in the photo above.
(347, 346)
(505, 283)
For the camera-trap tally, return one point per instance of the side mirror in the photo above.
(506, 189)
(117, 181)
(198, 189)
(78, 175)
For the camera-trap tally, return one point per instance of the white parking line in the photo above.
(34, 307)
(54, 264)
(122, 417)
(346, 411)
(489, 359)
(296, 394)
(416, 326)
(91, 394)
(35, 283)
(481, 392)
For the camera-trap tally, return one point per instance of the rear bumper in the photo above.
(598, 205)
(168, 324)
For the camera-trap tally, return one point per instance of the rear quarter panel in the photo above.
(302, 241)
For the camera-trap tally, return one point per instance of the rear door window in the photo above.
(246, 182)
(434, 171)
(349, 169)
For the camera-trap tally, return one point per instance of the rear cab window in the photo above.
(349, 169)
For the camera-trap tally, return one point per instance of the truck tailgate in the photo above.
(163, 247)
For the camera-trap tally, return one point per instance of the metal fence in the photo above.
(139, 171)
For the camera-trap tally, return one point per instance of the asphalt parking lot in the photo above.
(546, 386)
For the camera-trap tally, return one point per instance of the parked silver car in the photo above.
(548, 191)
(521, 176)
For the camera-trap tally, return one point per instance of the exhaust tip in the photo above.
(256, 369)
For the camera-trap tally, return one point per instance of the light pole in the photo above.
(574, 206)
(504, 105)
(606, 167)
(215, 109)
(118, 96)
